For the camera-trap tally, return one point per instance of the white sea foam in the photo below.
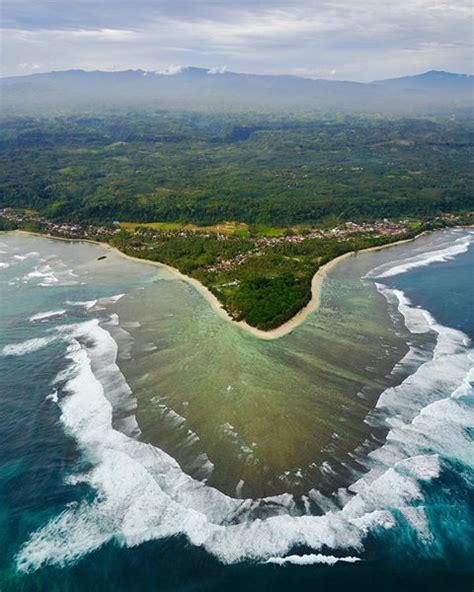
(416, 518)
(143, 494)
(65, 278)
(103, 354)
(443, 255)
(26, 256)
(53, 396)
(26, 347)
(111, 299)
(311, 559)
(439, 375)
(44, 272)
(428, 411)
(4, 265)
(51, 272)
(87, 304)
(416, 319)
(41, 316)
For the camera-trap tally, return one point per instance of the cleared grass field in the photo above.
(227, 228)
(173, 226)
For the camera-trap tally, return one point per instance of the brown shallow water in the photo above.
(257, 418)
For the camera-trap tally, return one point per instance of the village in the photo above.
(147, 238)
(75, 230)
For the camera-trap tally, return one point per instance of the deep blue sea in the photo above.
(85, 505)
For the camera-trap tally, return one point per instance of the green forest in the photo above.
(273, 176)
(259, 169)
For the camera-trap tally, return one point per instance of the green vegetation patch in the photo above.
(268, 302)
(271, 172)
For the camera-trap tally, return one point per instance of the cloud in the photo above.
(170, 70)
(28, 66)
(101, 34)
(373, 39)
(217, 70)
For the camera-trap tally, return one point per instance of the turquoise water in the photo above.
(87, 505)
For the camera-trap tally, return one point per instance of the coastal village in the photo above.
(142, 235)
(145, 237)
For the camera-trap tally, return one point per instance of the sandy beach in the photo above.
(276, 333)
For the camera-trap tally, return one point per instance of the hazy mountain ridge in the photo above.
(201, 88)
(433, 79)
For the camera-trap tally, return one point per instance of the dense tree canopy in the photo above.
(277, 170)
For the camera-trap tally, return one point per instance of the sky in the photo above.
(340, 39)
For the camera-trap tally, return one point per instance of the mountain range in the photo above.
(214, 89)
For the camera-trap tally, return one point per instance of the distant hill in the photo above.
(200, 88)
(445, 82)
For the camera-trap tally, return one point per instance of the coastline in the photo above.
(278, 332)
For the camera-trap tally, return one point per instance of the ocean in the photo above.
(148, 444)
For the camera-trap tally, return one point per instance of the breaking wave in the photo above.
(49, 276)
(142, 494)
(42, 316)
(87, 304)
(26, 256)
(311, 559)
(26, 347)
(443, 255)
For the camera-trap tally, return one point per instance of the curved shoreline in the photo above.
(316, 286)
(282, 330)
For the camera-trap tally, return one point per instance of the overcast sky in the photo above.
(341, 39)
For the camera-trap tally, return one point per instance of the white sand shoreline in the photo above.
(282, 330)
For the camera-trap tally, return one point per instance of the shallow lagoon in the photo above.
(253, 417)
(288, 397)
